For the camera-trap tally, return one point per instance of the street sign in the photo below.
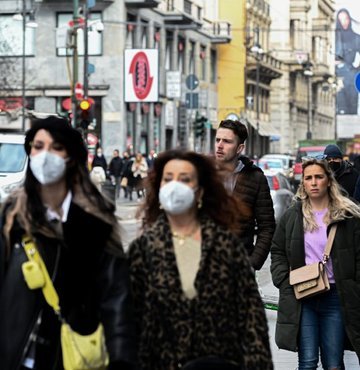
(80, 22)
(192, 82)
(90, 3)
(357, 82)
(91, 68)
(173, 84)
(192, 100)
(232, 117)
(79, 91)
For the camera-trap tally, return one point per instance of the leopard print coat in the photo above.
(225, 319)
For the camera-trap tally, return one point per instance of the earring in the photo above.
(160, 206)
(199, 205)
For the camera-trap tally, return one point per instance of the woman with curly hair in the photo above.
(329, 321)
(196, 300)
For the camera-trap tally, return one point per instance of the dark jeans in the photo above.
(321, 327)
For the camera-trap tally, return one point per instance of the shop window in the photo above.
(94, 36)
(11, 37)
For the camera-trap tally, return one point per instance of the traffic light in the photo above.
(85, 112)
(199, 126)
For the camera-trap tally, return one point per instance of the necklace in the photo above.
(183, 237)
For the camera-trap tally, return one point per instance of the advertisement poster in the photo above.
(141, 75)
(347, 62)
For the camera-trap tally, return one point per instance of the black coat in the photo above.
(347, 177)
(92, 284)
(99, 162)
(115, 166)
(287, 251)
(252, 189)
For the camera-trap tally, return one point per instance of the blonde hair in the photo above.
(340, 206)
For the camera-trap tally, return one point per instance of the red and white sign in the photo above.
(141, 75)
(80, 22)
(79, 91)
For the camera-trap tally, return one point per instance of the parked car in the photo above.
(281, 192)
(305, 151)
(287, 162)
(13, 163)
(270, 164)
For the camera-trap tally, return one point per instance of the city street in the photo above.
(283, 360)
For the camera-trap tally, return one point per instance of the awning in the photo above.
(266, 129)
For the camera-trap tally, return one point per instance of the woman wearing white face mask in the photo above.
(196, 302)
(76, 233)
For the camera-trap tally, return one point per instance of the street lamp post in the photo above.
(258, 51)
(257, 88)
(86, 50)
(308, 73)
(75, 61)
(23, 82)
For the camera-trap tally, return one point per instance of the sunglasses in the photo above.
(319, 157)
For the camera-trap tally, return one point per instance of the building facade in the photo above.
(303, 99)
(185, 35)
(246, 72)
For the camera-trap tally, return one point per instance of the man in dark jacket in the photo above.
(115, 170)
(248, 183)
(345, 173)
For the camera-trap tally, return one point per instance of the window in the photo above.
(130, 32)
(213, 66)
(94, 36)
(203, 62)
(11, 37)
(192, 58)
(157, 38)
(144, 34)
(181, 54)
(168, 52)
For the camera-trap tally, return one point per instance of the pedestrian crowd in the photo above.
(184, 295)
(126, 173)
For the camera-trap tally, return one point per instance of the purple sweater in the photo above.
(315, 243)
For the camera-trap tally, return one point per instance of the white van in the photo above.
(13, 163)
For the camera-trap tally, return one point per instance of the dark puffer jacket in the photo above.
(347, 177)
(253, 191)
(287, 251)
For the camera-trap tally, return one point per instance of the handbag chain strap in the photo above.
(329, 243)
(48, 289)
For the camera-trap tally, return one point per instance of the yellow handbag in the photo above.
(79, 352)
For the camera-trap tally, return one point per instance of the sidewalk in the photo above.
(126, 209)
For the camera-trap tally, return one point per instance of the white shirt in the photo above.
(65, 206)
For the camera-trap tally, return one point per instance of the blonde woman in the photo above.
(139, 169)
(327, 320)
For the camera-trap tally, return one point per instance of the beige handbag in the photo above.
(310, 280)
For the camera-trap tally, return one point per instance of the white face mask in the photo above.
(176, 197)
(47, 167)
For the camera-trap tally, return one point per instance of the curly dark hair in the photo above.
(217, 203)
